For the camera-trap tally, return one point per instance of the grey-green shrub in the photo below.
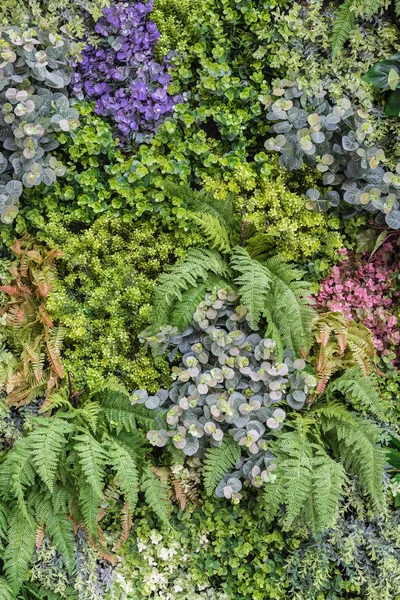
(337, 139)
(34, 73)
(226, 390)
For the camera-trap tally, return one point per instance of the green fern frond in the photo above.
(358, 389)
(117, 409)
(288, 310)
(205, 203)
(253, 284)
(295, 456)
(16, 474)
(371, 7)
(126, 471)
(46, 443)
(322, 506)
(272, 497)
(217, 462)
(343, 26)
(89, 504)
(92, 457)
(258, 245)
(213, 230)
(183, 312)
(194, 268)
(19, 551)
(355, 440)
(60, 529)
(156, 493)
(5, 590)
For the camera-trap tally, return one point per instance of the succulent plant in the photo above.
(227, 385)
(33, 64)
(337, 139)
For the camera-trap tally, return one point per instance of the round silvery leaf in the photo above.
(240, 420)
(292, 402)
(14, 188)
(290, 162)
(349, 144)
(191, 447)
(152, 402)
(162, 395)
(393, 219)
(328, 178)
(234, 483)
(299, 396)
(313, 194)
(256, 426)
(318, 137)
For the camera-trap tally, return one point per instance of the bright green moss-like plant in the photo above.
(103, 296)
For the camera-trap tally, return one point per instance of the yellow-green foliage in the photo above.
(103, 296)
(270, 204)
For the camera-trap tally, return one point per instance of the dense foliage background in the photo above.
(199, 300)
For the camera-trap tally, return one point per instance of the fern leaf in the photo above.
(194, 268)
(17, 474)
(92, 457)
(343, 25)
(213, 230)
(288, 306)
(156, 494)
(184, 310)
(371, 7)
(358, 389)
(5, 590)
(46, 443)
(89, 503)
(20, 549)
(59, 528)
(126, 526)
(356, 440)
(253, 284)
(217, 462)
(53, 344)
(125, 468)
(295, 462)
(117, 409)
(322, 505)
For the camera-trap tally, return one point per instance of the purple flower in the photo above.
(121, 75)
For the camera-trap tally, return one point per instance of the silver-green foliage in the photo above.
(225, 393)
(336, 138)
(34, 74)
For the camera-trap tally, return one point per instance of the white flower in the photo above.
(155, 537)
(141, 546)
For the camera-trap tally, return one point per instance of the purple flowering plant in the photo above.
(121, 75)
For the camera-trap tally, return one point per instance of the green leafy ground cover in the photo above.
(199, 300)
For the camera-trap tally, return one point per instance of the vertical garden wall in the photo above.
(199, 300)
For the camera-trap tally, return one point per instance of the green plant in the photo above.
(393, 457)
(82, 465)
(34, 63)
(334, 139)
(384, 75)
(346, 18)
(341, 343)
(103, 293)
(223, 399)
(67, 14)
(267, 288)
(32, 340)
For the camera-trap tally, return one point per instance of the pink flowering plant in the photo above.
(366, 291)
